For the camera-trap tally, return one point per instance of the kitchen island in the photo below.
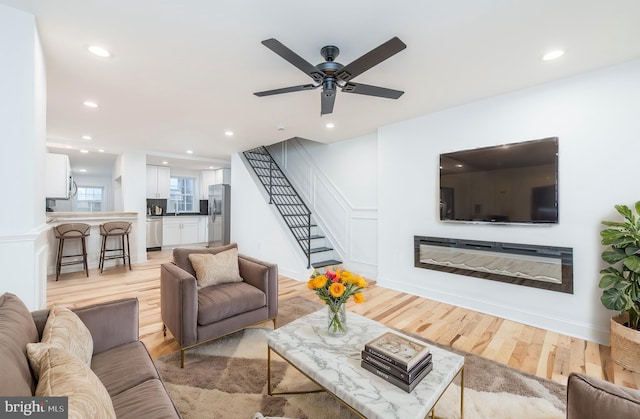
(93, 242)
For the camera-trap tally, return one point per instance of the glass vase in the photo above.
(336, 319)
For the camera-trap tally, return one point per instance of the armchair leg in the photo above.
(181, 358)
(164, 330)
(275, 324)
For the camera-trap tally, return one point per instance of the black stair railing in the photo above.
(288, 202)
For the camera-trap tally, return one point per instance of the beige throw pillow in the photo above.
(62, 374)
(216, 269)
(65, 330)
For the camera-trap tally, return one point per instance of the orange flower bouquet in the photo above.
(335, 288)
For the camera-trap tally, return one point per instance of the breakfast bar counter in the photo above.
(93, 242)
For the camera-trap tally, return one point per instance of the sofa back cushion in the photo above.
(17, 328)
(181, 256)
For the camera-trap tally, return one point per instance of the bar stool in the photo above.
(67, 232)
(115, 229)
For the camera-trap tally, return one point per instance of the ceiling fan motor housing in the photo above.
(330, 52)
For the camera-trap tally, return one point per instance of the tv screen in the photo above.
(510, 183)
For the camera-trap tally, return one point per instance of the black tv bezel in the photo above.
(489, 222)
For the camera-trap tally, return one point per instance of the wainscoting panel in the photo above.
(364, 239)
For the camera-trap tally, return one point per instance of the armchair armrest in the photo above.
(112, 323)
(179, 303)
(589, 397)
(262, 275)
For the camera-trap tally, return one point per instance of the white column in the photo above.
(130, 175)
(23, 245)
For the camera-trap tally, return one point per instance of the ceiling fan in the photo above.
(331, 74)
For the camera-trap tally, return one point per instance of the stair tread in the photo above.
(320, 249)
(312, 237)
(322, 264)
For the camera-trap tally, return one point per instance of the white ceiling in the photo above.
(184, 71)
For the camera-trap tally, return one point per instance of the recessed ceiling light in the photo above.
(165, 162)
(458, 165)
(330, 125)
(228, 133)
(210, 167)
(552, 55)
(83, 170)
(86, 137)
(84, 151)
(189, 151)
(90, 104)
(99, 51)
(100, 150)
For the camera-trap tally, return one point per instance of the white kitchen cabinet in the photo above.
(203, 230)
(158, 182)
(208, 178)
(58, 178)
(181, 230)
(223, 177)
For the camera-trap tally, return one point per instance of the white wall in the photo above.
(23, 246)
(257, 227)
(595, 116)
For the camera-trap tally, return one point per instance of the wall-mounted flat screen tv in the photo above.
(510, 183)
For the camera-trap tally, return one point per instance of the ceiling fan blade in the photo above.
(293, 58)
(370, 59)
(327, 101)
(286, 90)
(365, 89)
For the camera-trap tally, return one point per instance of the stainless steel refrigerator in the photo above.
(219, 210)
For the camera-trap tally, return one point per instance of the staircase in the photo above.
(293, 210)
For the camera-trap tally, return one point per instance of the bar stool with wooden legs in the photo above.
(67, 232)
(115, 229)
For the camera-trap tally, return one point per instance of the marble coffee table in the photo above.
(334, 364)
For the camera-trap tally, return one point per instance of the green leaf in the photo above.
(613, 299)
(615, 224)
(633, 263)
(613, 256)
(625, 211)
(637, 205)
(609, 236)
(631, 250)
(608, 280)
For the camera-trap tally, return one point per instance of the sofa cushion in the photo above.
(146, 400)
(181, 255)
(124, 367)
(216, 269)
(65, 330)
(17, 328)
(63, 374)
(225, 300)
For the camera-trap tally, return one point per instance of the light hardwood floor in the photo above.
(526, 348)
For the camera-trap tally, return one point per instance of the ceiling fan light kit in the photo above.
(331, 75)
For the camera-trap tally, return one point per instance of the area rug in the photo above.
(227, 379)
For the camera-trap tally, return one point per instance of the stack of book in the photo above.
(401, 360)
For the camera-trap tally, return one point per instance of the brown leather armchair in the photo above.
(197, 315)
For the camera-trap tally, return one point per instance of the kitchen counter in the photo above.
(93, 242)
(84, 217)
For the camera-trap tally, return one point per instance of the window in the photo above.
(182, 194)
(89, 198)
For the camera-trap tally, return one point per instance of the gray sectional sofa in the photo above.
(120, 361)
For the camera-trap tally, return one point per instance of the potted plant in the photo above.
(621, 285)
